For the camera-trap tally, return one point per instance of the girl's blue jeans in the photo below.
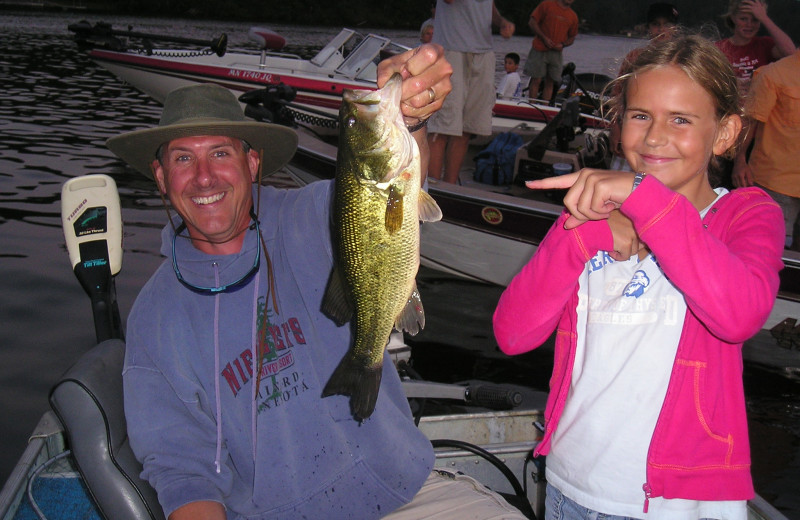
(559, 507)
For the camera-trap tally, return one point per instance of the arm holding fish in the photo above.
(426, 82)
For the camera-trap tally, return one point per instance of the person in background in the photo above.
(426, 32)
(464, 29)
(662, 20)
(555, 26)
(745, 49)
(227, 348)
(426, 29)
(773, 109)
(510, 85)
(646, 413)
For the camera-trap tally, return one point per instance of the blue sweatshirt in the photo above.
(222, 392)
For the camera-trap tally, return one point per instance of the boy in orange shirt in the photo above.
(555, 25)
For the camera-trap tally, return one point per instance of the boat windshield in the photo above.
(354, 55)
(363, 59)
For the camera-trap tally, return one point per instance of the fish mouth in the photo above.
(372, 125)
(385, 101)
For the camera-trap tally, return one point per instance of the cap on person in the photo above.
(662, 10)
(205, 109)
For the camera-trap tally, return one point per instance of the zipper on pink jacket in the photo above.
(647, 494)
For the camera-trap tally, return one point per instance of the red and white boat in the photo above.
(348, 61)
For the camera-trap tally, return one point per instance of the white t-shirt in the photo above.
(510, 86)
(630, 319)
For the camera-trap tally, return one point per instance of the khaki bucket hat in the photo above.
(205, 109)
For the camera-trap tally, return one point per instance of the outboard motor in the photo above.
(92, 224)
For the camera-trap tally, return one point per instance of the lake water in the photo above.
(57, 110)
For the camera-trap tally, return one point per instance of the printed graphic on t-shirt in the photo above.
(623, 293)
(277, 379)
(637, 285)
(744, 67)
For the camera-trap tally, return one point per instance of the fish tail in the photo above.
(359, 382)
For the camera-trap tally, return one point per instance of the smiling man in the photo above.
(227, 348)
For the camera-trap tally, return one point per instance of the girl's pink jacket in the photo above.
(727, 268)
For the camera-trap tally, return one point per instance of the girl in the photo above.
(745, 49)
(652, 281)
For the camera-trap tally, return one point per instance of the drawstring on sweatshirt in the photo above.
(256, 366)
(254, 342)
(217, 462)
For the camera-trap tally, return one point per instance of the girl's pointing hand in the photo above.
(593, 194)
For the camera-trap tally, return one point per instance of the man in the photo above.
(463, 28)
(555, 26)
(773, 111)
(228, 350)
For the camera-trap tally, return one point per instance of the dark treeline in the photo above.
(598, 16)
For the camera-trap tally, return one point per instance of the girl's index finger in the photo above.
(553, 183)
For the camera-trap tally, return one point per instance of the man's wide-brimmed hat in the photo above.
(205, 109)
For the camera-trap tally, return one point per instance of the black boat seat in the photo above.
(88, 401)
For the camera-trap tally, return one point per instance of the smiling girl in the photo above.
(652, 282)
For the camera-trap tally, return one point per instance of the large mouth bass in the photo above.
(377, 207)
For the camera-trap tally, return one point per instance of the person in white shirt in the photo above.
(510, 86)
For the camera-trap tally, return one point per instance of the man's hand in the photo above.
(507, 29)
(426, 80)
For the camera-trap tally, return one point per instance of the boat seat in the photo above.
(88, 401)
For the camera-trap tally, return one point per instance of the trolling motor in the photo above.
(274, 104)
(92, 223)
(269, 104)
(102, 35)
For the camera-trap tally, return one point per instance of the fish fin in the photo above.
(412, 317)
(335, 303)
(360, 382)
(394, 210)
(429, 211)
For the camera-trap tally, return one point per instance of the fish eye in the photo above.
(351, 122)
